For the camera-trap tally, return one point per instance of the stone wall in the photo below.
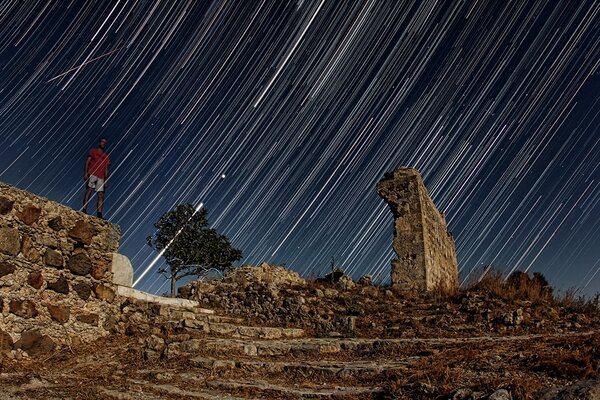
(56, 284)
(425, 249)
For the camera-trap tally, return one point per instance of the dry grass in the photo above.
(517, 286)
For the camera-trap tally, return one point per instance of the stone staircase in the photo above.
(219, 357)
(193, 353)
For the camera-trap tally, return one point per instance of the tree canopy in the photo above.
(189, 246)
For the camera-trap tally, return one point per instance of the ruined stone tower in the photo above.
(425, 249)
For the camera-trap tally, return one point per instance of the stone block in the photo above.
(99, 270)
(23, 308)
(83, 232)
(6, 268)
(90, 319)
(6, 342)
(34, 343)
(59, 313)
(56, 224)
(83, 290)
(29, 250)
(6, 205)
(61, 285)
(53, 258)
(104, 292)
(35, 279)
(30, 214)
(79, 264)
(122, 270)
(10, 241)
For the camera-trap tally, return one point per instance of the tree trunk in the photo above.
(173, 284)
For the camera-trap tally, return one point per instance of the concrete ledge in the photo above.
(139, 295)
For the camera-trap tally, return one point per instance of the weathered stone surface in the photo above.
(584, 390)
(83, 290)
(56, 224)
(10, 241)
(425, 249)
(34, 343)
(23, 308)
(30, 252)
(61, 285)
(90, 319)
(99, 270)
(79, 264)
(35, 279)
(30, 214)
(40, 236)
(122, 270)
(6, 205)
(83, 232)
(500, 394)
(110, 322)
(104, 292)
(53, 258)
(6, 268)
(59, 313)
(6, 342)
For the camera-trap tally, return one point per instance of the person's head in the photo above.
(102, 143)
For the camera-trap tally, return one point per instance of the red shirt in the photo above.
(99, 162)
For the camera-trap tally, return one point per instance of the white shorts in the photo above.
(96, 183)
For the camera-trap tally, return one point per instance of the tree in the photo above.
(189, 246)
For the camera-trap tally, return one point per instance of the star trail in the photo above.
(281, 116)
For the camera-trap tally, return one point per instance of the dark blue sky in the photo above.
(303, 106)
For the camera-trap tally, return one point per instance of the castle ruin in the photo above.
(426, 254)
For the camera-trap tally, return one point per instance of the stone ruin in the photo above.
(425, 249)
(62, 281)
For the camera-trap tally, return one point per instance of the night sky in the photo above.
(303, 105)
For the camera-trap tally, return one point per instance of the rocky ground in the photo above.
(276, 336)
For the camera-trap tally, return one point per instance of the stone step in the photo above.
(337, 368)
(240, 331)
(269, 390)
(311, 347)
(176, 392)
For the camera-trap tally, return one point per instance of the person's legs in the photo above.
(86, 199)
(100, 203)
(100, 193)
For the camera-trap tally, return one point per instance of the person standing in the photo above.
(96, 175)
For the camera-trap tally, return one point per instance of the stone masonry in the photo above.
(425, 249)
(56, 283)
(62, 282)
